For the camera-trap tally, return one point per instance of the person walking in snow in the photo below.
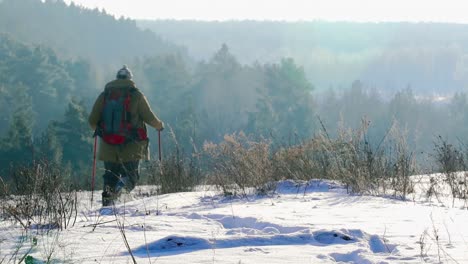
(119, 117)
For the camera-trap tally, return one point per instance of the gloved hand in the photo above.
(160, 129)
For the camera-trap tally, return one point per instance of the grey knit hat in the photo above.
(124, 73)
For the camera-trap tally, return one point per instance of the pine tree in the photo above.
(285, 108)
(18, 142)
(49, 144)
(75, 137)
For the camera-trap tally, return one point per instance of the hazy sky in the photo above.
(291, 10)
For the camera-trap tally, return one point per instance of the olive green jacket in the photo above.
(141, 114)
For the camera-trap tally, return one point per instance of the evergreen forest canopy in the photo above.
(75, 32)
(430, 58)
(55, 59)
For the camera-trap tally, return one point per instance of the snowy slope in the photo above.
(321, 224)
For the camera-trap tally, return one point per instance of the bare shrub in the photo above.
(40, 197)
(363, 166)
(354, 161)
(173, 174)
(451, 163)
(176, 172)
(403, 164)
(237, 164)
(304, 161)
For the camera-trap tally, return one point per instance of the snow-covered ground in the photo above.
(321, 224)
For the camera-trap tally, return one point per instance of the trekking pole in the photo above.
(159, 144)
(94, 169)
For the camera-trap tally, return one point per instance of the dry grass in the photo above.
(238, 164)
(40, 197)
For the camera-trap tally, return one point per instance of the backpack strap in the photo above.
(127, 118)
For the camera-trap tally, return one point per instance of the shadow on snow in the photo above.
(175, 245)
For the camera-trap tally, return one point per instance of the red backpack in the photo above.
(115, 126)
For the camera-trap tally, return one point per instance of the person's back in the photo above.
(118, 117)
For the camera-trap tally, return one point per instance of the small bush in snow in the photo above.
(451, 163)
(176, 172)
(237, 164)
(365, 167)
(40, 197)
(304, 161)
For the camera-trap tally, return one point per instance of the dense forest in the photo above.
(76, 32)
(387, 56)
(206, 80)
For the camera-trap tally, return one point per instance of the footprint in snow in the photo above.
(333, 237)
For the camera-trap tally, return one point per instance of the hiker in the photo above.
(118, 117)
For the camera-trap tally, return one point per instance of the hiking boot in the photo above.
(107, 199)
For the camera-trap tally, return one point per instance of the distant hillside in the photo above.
(74, 31)
(429, 58)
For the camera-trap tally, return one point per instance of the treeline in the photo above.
(428, 57)
(77, 32)
(41, 115)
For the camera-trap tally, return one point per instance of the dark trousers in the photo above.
(114, 171)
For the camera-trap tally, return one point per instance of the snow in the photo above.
(314, 222)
